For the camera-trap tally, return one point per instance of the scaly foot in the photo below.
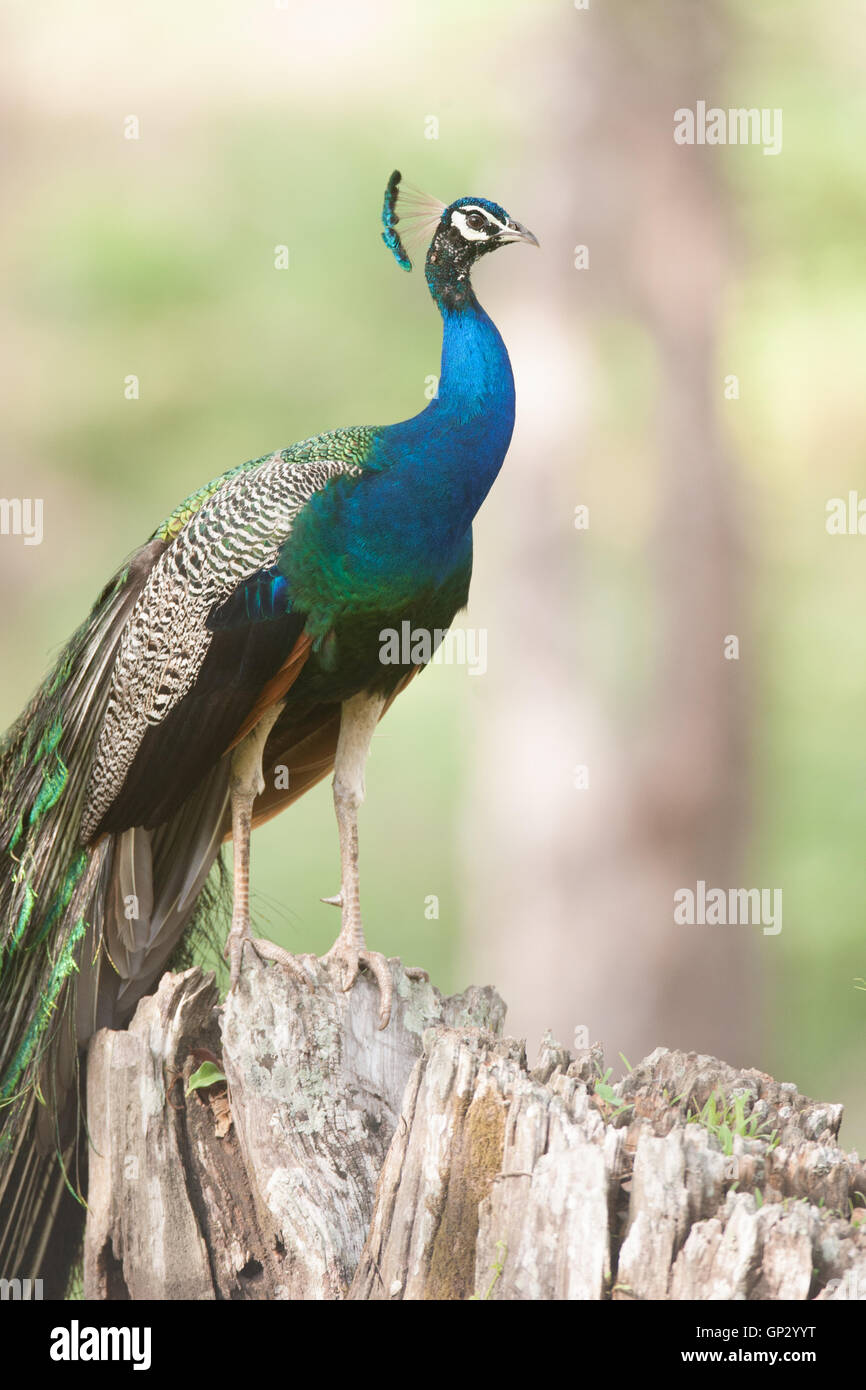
(241, 936)
(349, 959)
(349, 953)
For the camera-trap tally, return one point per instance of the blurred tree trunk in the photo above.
(580, 883)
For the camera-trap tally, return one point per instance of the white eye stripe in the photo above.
(485, 212)
(458, 219)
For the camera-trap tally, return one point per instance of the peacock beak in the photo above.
(517, 232)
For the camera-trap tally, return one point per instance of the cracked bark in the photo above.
(429, 1161)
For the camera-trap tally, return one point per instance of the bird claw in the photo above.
(349, 959)
(269, 950)
(265, 950)
(379, 968)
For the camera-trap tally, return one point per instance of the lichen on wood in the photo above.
(429, 1161)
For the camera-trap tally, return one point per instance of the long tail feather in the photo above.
(84, 930)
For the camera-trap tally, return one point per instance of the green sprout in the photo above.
(726, 1118)
(207, 1075)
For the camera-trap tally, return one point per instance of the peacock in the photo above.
(244, 637)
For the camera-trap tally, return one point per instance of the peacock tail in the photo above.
(51, 890)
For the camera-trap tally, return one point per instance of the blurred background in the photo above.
(484, 855)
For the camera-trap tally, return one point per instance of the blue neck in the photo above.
(405, 525)
(448, 456)
(475, 379)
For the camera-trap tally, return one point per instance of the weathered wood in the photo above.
(429, 1161)
(275, 1204)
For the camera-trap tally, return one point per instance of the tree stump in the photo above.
(429, 1161)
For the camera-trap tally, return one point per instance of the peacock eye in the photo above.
(475, 220)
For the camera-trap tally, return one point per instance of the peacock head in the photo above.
(461, 233)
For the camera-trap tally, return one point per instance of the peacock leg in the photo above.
(246, 783)
(358, 720)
